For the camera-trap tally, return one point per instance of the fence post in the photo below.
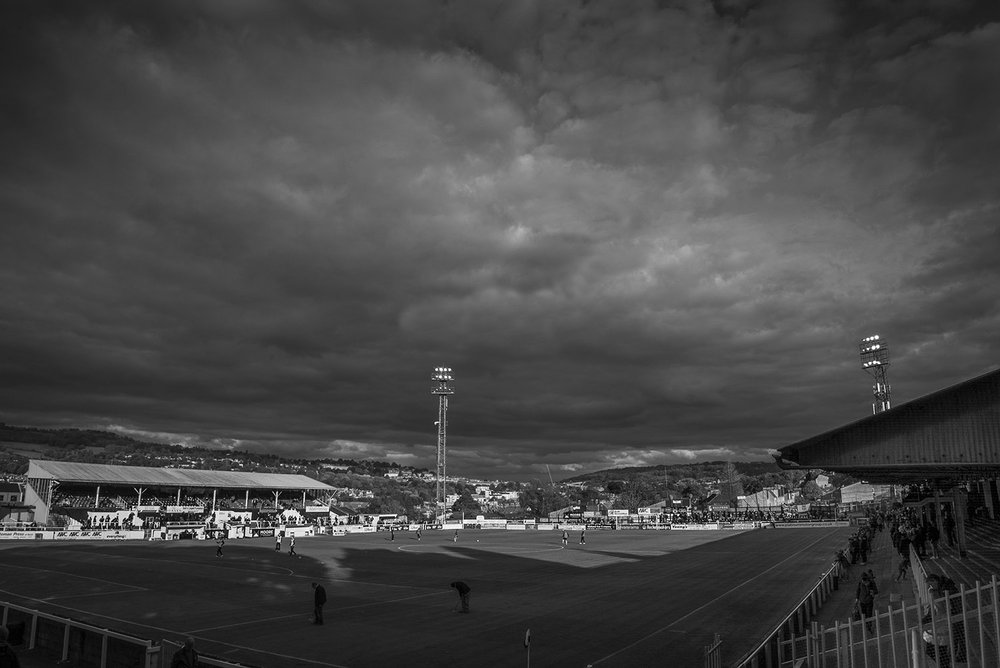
(996, 610)
(915, 648)
(65, 648)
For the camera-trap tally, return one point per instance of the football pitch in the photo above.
(626, 598)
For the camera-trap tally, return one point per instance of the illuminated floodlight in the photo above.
(874, 360)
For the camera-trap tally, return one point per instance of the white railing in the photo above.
(76, 643)
(964, 626)
(713, 653)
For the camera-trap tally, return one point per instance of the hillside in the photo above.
(695, 470)
(19, 444)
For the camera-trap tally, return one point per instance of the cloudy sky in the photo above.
(638, 232)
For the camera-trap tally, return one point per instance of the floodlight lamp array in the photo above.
(442, 374)
(874, 352)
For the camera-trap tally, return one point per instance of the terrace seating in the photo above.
(983, 559)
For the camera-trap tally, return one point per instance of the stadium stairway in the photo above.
(981, 563)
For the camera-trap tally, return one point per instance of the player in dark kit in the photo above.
(319, 598)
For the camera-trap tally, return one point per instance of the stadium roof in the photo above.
(950, 435)
(105, 474)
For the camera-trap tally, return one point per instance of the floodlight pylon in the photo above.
(875, 361)
(443, 376)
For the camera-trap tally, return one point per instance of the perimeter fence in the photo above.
(957, 629)
(83, 645)
(75, 643)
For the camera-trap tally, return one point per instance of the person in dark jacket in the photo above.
(934, 535)
(865, 599)
(319, 599)
(463, 593)
(186, 656)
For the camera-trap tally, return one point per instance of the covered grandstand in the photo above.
(87, 488)
(945, 446)
(943, 449)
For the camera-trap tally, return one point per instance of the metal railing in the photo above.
(76, 643)
(713, 653)
(963, 626)
(769, 650)
(87, 646)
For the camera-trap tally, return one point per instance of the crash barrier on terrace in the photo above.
(76, 643)
(919, 577)
(961, 628)
(769, 650)
(87, 646)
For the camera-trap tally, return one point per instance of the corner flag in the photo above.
(527, 638)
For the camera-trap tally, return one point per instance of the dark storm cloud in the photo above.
(639, 233)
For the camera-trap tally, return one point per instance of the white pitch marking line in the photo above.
(723, 595)
(395, 600)
(102, 593)
(253, 621)
(80, 577)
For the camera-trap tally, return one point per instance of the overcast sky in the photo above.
(639, 232)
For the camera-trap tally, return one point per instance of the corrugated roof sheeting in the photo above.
(958, 427)
(104, 474)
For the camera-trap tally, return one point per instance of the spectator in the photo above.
(934, 536)
(901, 573)
(904, 546)
(865, 600)
(949, 529)
(186, 656)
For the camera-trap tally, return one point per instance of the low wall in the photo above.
(708, 526)
(48, 534)
(809, 525)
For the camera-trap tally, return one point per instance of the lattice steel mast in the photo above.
(875, 360)
(442, 375)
